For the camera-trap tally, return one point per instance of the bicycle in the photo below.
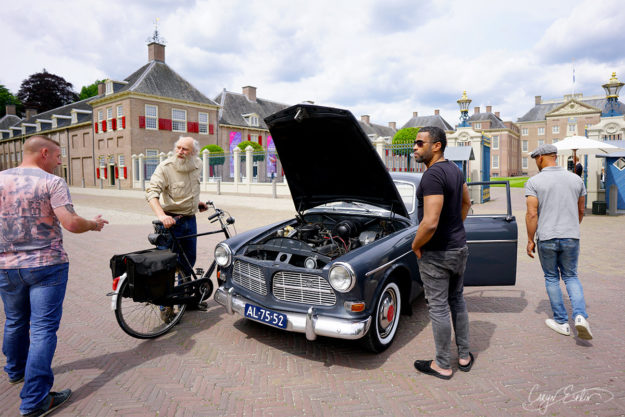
(138, 306)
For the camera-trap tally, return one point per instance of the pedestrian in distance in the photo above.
(441, 248)
(34, 204)
(555, 209)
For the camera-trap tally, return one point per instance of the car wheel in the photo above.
(385, 318)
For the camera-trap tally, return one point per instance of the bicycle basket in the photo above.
(150, 273)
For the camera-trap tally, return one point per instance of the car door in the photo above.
(492, 240)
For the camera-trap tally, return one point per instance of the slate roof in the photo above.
(495, 122)
(377, 130)
(235, 105)
(539, 111)
(158, 79)
(8, 120)
(435, 120)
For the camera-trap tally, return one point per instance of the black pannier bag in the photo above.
(151, 273)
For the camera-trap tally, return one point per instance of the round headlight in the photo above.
(342, 277)
(223, 255)
(310, 263)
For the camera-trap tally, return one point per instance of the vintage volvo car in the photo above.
(343, 267)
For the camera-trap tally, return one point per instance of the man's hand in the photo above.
(99, 222)
(417, 252)
(531, 248)
(167, 221)
(202, 206)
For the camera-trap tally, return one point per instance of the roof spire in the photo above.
(156, 38)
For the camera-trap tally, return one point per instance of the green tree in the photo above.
(44, 91)
(258, 156)
(7, 98)
(216, 156)
(90, 90)
(403, 141)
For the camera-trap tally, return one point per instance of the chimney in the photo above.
(537, 100)
(476, 110)
(365, 118)
(156, 52)
(497, 114)
(489, 109)
(436, 112)
(30, 113)
(10, 109)
(392, 125)
(249, 92)
(415, 113)
(101, 89)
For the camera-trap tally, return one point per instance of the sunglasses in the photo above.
(420, 143)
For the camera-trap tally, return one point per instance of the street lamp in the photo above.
(612, 89)
(464, 103)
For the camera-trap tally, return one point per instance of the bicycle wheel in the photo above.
(146, 320)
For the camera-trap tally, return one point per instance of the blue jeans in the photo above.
(33, 302)
(184, 226)
(558, 258)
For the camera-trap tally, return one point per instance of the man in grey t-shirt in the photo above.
(555, 208)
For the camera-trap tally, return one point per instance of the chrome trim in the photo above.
(291, 286)
(386, 265)
(493, 241)
(228, 250)
(249, 276)
(309, 323)
(349, 269)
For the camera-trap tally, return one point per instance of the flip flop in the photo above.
(467, 367)
(426, 368)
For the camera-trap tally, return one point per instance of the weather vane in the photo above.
(155, 37)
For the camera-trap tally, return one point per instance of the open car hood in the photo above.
(327, 157)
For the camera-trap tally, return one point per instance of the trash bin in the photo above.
(598, 207)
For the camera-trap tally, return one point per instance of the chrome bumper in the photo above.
(310, 323)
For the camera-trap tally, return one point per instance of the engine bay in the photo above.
(313, 240)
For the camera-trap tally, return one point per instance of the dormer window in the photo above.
(251, 119)
(109, 87)
(74, 117)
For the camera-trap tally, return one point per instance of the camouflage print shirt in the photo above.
(30, 233)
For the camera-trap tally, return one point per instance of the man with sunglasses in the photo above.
(441, 248)
(555, 207)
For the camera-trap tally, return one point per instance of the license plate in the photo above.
(272, 318)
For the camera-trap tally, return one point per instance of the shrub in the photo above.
(216, 156)
(258, 156)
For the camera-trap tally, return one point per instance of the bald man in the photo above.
(176, 181)
(34, 204)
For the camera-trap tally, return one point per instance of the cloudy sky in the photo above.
(382, 58)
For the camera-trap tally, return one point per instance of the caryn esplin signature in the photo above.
(565, 395)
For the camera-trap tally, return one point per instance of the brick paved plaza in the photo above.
(214, 364)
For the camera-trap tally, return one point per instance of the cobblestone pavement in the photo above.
(213, 364)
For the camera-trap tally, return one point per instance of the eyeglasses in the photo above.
(420, 143)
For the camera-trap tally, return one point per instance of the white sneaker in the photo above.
(582, 327)
(557, 327)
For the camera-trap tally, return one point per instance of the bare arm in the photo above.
(466, 201)
(581, 207)
(531, 223)
(75, 223)
(432, 206)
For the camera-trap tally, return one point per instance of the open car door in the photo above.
(492, 240)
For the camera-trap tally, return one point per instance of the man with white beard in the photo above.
(176, 181)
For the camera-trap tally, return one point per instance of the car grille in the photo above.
(303, 288)
(249, 276)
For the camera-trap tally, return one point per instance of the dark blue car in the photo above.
(343, 267)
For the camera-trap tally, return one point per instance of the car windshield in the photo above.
(408, 194)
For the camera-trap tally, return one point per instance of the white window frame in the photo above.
(203, 125)
(63, 151)
(541, 131)
(524, 161)
(495, 142)
(177, 120)
(251, 119)
(122, 160)
(151, 117)
(525, 131)
(555, 129)
(108, 88)
(572, 127)
(524, 145)
(109, 118)
(100, 115)
(120, 114)
(477, 125)
(541, 142)
(495, 162)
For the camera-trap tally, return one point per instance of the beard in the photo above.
(184, 164)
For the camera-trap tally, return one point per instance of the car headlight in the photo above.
(342, 277)
(223, 255)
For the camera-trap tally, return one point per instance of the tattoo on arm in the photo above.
(70, 208)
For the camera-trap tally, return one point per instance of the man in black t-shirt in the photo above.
(441, 249)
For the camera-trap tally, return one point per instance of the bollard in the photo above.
(219, 187)
(101, 183)
(119, 184)
(274, 187)
(612, 206)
